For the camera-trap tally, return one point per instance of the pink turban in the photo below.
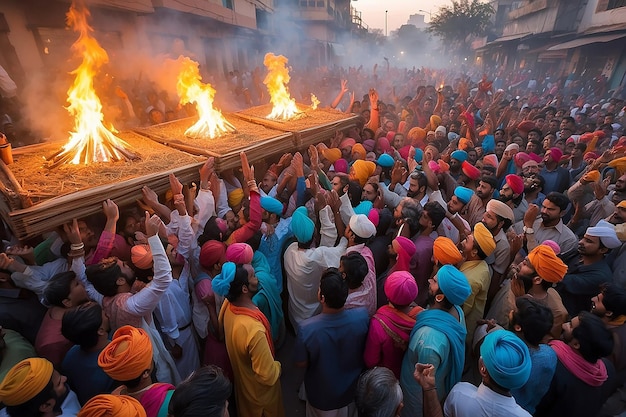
(401, 288)
(239, 253)
(405, 248)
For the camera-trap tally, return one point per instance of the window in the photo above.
(228, 4)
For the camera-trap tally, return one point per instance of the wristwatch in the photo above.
(528, 230)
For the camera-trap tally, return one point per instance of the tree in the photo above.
(455, 24)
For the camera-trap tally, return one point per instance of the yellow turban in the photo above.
(25, 380)
(484, 238)
(362, 170)
(235, 197)
(108, 405)
(332, 154)
(435, 121)
(619, 164)
(591, 176)
(128, 355)
(445, 251)
(416, 134)
(359, 149)
(548, 266)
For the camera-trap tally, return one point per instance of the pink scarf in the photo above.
(593, 374)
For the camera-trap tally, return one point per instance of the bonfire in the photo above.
(283, 106)
(90, 141)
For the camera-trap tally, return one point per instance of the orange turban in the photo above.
(25, 380)
(619, 164)
(235, 197)
(591, 176)
(484, 238)
(416, 134)
(362, 170)
(332, 154)
(108, 405)
(465, 144)
(443, 166)
(445, 251)
(359, 149)
(548, 266)
(128, 355)
(435, 121)
(141, 256)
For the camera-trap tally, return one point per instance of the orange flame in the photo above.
(284, 107)
(90, 141)
(190, 88)
(314, 101)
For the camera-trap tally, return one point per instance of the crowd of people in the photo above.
(459, 251)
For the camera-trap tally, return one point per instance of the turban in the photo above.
(534, 157)
(463, 194)
(108, 405)
(419, 155)
(470, 171)
(521, 158)
(416, 134)
(221, 282)
(347, 142)
(619, 164)
(390, 135)
(441, 129)
(453, 284)
(512, 147)
(506, 358)
(272, 205)
(443, 165)
(404, 151)
(446, 252)
(400, 288)
(435, 121)
(141, 256)
(374, 216)
(239, 253)
(489, 143)
(359, 149)
(491, 160)
(128, 355)
(515, 182)
(465, 144)
(460, 156)
(369, 145)
(606, 232)
(556, 154)
(552, 245)
(453, 136)
(484, 238)
(405, 248)
(548, 266)
(501, 209)
(235, 197)
(526, 126)
(621, 204)
(301, 225)
(341, 165)
(385, 161)
(25, 380)
(590, 155)
(434, 167)
(363, 170)
(364, 207)
(362, 226)
(331, 154)
(383, 144)
(591, 176)
(530, 163)
(212, 253)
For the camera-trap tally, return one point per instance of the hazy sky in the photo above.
(398, 11)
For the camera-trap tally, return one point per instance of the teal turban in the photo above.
(419, 155)
(489, 144)
(364, 207)
(507, 359)
(453, 284)
(301, 225)
(463, 194)
(385, 161)
(221, 283)
(272, 205)
(460, 156)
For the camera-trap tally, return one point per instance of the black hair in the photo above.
(614, 299)
(203, 394)
(58, 288)
(80, 325)
(355, 191)
(581, 146)
(355, 268)
(491, 180)
(103, 276)
(435, 212)
(535, 319)
(333, 288)
(559, 200)
(594, 339)
(241, 279)
(211, 232)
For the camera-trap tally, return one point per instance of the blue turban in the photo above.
(463, 194)
(460, 156)
(506, 358)
(489, 144)
(272, 205)
(301, 225)
(453, 284)
(453, 136)
(221, 283)
(385, 160)
(419, 155)
(364, 207)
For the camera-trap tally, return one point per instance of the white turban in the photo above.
(362, 226)
(606, 232)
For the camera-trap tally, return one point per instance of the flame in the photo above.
(90, 141)
(284, 107)
(211, 123)
(314, 101)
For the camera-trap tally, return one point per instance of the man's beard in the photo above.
(505, 199)
(412, 194)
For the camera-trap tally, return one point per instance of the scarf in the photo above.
(268, 295)
(593, 374)
(445, 323)
(396, 324)
(257, 315)
(153, 399)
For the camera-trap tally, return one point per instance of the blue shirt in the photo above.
(84, 375)
(543, 367)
